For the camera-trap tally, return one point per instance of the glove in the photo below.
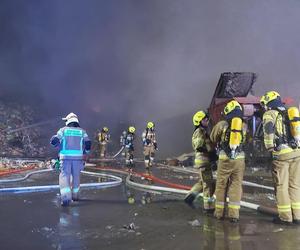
(155, 146)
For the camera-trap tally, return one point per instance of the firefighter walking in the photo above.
(281, 128)
(150, 145)
(229, 135)
(204, 152)
(74, 143)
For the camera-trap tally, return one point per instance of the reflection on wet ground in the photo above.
(104, 219)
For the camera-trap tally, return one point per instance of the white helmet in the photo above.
(70, 118)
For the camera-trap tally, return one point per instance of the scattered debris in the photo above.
(277, 230)
(195, 223)
(130, 227)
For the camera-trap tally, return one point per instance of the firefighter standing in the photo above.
(103, 139)
(280, 127)
(122, 141)
(204, 152)
(74, 143)
(229, 135)
(150, 145)
(129, 148)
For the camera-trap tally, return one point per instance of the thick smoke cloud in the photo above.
(126, 62)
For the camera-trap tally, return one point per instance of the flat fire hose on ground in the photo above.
(167, 190)
(182, 190)
(115, 181)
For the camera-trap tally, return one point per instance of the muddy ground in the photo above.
(103, 219)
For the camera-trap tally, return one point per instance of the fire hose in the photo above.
(115, 181)
(183, 190)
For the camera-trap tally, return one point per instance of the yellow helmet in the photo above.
(198, 117)
(150, 125)
(268, 97)
(105, 129)
(131, 129)
(230, 106)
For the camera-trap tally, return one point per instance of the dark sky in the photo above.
(136, 60)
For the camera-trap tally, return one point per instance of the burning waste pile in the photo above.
(15, 139)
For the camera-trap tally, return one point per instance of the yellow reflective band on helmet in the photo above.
(230, 106)
(296, 205)
(198, 117)
(150, 125)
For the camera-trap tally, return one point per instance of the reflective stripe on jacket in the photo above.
(72, 143)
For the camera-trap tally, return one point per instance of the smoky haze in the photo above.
(126, 62)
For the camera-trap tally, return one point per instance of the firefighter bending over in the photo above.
(205, 156)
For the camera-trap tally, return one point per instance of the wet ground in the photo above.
(103, 219)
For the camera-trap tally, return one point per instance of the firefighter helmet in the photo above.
(131, 129)
(268, 97)
(150, 125)
(230, 106)
(105, 129)
(198, 117)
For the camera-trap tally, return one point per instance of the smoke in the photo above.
(126, 62)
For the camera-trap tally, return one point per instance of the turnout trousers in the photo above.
(230, 175)
(286, 176)
(69, 179)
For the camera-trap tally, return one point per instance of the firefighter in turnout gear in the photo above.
(129, 148)
(205, 156)
(74, 143)
(122, 141)
(229, 136)
(103, 139)
(281, 130)
(150, 145)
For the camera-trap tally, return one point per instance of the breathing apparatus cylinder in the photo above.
(294, 120)
(235, 137)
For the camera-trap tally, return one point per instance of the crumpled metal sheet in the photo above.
(235, 84)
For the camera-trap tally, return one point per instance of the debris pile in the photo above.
(9, 163)
(16, 141)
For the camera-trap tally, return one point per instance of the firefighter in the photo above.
(74, 143)
(204, 156)
(122, 141)
(103, 139)
(229, 135)
(150, 145)
(129, 148)
(279, 139)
